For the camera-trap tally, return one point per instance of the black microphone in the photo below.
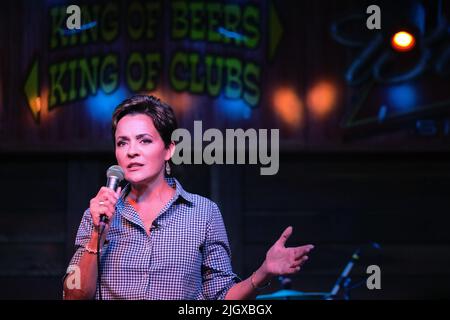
(114, 176)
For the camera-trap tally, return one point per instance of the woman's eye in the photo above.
(145, 141)
(120, 143)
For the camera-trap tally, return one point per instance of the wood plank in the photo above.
(33, 185)
(393, 260)
(392, 288)
(32, 226)
(346, 228)
(32, 259)
(348, 184)
(31, 288)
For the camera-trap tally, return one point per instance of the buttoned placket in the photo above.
(150, 241)
(132, 215)
(148, 257)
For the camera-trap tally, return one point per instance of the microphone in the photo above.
(114, 176)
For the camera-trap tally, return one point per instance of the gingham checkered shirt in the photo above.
(186, 255)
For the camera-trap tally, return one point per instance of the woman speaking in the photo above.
(160, 241)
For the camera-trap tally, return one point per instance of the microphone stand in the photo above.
(347, 287)
(344, 275)
(344, 279)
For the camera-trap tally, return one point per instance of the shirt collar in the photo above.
(179, 191)
(131, 215)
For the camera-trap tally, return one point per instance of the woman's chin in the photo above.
(136, 178)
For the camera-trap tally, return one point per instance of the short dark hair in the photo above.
(160, 112)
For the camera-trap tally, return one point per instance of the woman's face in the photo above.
(140, 150)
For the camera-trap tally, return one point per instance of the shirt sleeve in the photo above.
(218, 276)
(83, 235)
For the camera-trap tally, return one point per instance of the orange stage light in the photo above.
(322, 99)
(288, 107)
(403, 41)
(38, 104)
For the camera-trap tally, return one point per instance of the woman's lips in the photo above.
(134, 167)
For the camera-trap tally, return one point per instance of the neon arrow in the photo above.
(275, 31)
(32, 91)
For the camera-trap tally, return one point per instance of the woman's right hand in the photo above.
(104, 203)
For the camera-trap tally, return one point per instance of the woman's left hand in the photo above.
(283, 261)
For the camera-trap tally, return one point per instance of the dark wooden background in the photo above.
(335, 193)
(306, 55)
(336, 201)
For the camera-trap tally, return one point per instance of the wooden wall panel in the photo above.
(343, 201)
(408, 220)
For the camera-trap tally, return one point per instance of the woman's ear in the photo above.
(170, 151)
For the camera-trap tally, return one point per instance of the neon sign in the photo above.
(203, 48)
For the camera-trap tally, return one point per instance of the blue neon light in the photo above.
(402, 97)
(234, 109)
(101, 106)
(68, 32)
(230, 34)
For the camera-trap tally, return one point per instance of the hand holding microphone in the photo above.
(102, 206)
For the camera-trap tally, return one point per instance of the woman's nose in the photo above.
(132, 149)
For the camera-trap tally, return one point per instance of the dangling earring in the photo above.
(168, 171)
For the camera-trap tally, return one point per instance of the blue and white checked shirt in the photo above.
(186, 256)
